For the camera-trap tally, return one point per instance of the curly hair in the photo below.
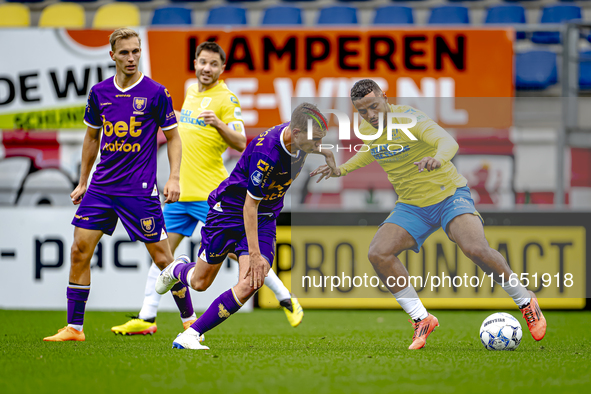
(364, 87)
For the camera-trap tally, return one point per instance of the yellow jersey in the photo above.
(202, 166)
(398, 155)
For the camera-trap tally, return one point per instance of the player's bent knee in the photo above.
(200, 284)
(161, 263)
(80, 255)
(476, 252)
(243, 289)
(378, 255)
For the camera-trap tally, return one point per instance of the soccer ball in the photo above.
(500, 331)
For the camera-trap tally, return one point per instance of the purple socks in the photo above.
(180, 272)
(182, 297)
(222, 308)
(77, 297)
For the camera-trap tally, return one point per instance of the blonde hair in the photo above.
(122, 34)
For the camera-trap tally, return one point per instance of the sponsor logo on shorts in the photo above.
(148, 225)
(461, 200)
(256, 177)
(81, 217)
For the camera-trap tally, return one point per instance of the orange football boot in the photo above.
(536, 322)
(187, 324)
(66, 334)
(422, 331)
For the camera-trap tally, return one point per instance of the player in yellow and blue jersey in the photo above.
(209, 122)
(432, 194)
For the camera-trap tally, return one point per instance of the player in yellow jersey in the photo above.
(432, 194)
(209, 122)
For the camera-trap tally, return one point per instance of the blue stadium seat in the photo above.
(449, 15)
(226, 15)
(172, 16)
(241, 1)
(281, 15)
(585, 70)
(393, 15)
(555, 14)
(506, 14)
(337, 15)
(187, 1)
(134, 1)
(535, 70)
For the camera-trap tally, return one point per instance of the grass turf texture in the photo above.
(331, 351)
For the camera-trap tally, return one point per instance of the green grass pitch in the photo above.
(331, 352)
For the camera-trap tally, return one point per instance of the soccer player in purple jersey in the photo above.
(241, 219)
(129, 108)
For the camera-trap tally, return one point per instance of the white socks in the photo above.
(186, 319)
(410, 302)
(518, 293)
(151, 298)
(76, 326)
(274, 283)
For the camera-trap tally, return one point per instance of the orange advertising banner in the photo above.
(266, 68)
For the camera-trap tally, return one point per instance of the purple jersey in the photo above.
(265, 171)
(130, 119)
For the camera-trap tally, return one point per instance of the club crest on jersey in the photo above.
(147, 224)
(256, 177)
(139, 103)
(205, 102)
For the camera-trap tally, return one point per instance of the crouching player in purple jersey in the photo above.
(129, 108)
(241, 219)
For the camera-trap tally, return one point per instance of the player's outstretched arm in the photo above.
(90, 150)
(258, 266)
(234, 139)
(172, 189)
(330, 169)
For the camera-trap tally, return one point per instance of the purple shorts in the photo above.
(141, 216)
(224, 233)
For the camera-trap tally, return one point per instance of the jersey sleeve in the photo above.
(431, 133)
(164, 111)
(92, 115)
(361, 159)
(260, 168)
(231, 114)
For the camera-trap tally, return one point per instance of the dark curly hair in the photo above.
(364, 87)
